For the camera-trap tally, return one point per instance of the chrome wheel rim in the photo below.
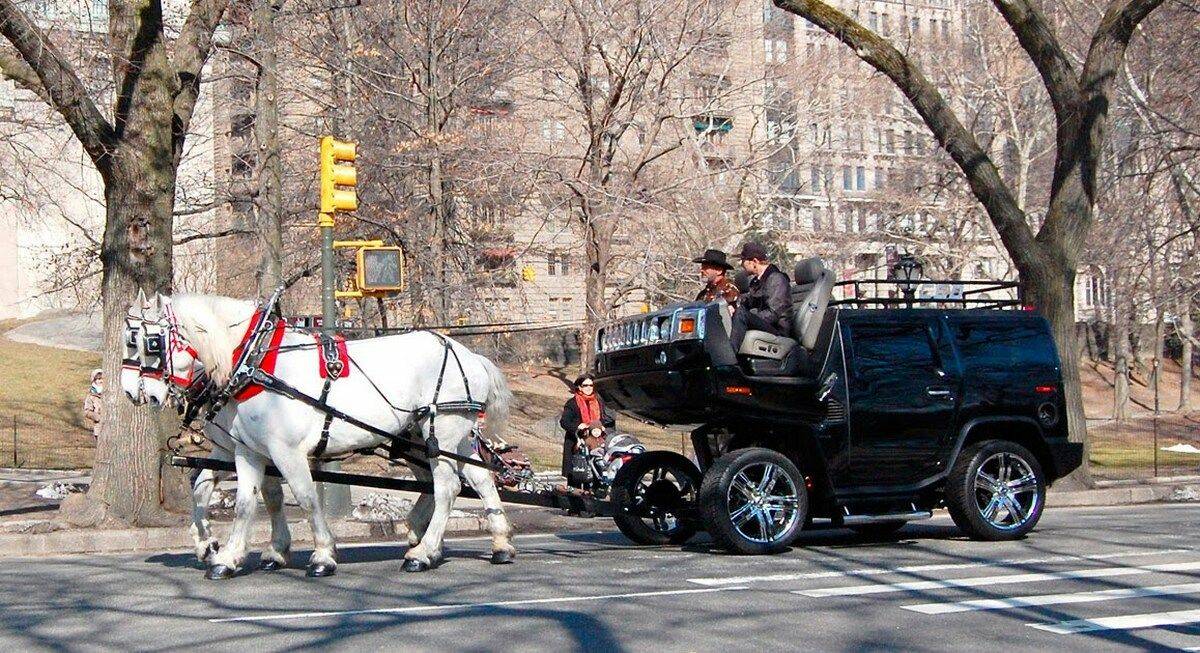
(1006, 491)
(764, 504)
(658, 498)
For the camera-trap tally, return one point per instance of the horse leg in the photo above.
(422, 510)
(276, 555)
(294, 467)
(204, 481)
(250, 467)
(428, 553)
(482, 482)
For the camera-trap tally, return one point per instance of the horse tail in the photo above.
(499, 399)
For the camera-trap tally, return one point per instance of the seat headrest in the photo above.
(742, 281)
(808, 270)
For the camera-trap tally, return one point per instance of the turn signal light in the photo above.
(687, 325)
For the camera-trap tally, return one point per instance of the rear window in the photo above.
(1004, 346)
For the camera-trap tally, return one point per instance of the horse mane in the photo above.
(214, 325)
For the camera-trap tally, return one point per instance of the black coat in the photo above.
(770, 298)
(571, 418)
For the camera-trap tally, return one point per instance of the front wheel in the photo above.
(754, 501)
(996, 491)
(655, 496)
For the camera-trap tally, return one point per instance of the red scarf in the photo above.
(589, 408)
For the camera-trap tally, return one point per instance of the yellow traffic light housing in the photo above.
(380, 269)
(335, 155)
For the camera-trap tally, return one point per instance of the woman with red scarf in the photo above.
(582, 411)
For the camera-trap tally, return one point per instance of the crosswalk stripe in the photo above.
(950, 566)
(1054, 599)
(1126, 622)
(979, 581)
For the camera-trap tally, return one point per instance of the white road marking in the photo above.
(1126, 622)
(467, 606)
(1054, 599)
(1009, 579)
(880, 571)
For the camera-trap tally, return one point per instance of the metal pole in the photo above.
(14, 441)
(1156, 372)
(335, 499)
(328, 306)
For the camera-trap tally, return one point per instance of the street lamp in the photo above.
(908, 271)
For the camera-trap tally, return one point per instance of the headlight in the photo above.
(653, 332)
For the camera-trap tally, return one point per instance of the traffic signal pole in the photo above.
(328, 280)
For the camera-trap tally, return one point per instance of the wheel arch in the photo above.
(798, 442)
(1020, 430)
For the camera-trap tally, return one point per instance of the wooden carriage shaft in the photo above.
(547, 500)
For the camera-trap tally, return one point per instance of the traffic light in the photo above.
(380, 269)
(335, 155)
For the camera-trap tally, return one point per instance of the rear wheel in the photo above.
(655, 496)
(996, 490)
(754, 501)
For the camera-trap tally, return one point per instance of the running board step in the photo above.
(857, 520)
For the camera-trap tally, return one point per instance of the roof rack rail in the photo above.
(927, 293)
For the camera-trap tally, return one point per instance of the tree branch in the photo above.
(982, 174)
(217, 234)
(191, 50)
(17, 70)
(1035, 36)
(65, 93)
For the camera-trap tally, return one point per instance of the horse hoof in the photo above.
(220, 572)
(270, 564)
(321, 570)
(412, 565)
(503, 557)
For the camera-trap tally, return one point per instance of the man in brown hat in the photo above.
(767, 306)
(717, 284)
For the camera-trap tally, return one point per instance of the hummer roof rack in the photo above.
(927, 293)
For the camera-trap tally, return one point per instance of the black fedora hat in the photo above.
(713, 257)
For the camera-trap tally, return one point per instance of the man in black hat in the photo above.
(717, 284)
(767, 305)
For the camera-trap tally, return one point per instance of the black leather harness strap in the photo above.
(273, 383)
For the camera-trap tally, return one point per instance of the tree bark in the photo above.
(598, 236)
(1121, 364)
(269, 203)
(1186, 332)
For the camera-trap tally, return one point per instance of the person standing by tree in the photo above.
(93, 406)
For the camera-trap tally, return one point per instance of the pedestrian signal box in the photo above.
(380, 269)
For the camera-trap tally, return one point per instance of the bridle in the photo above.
(151, 347)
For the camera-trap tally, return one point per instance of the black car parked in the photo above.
(873, 415)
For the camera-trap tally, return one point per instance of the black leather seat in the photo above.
(770, 354)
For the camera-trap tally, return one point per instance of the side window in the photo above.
(888, 350)
(1004, 347)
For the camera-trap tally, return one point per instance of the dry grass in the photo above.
(42, 388)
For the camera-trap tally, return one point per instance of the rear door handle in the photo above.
(937, 391)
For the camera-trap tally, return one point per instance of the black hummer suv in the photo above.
(873, 415)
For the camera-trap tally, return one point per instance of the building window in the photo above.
(861, 178)
(884, 27)
(814, 180)
(890, 141)
(553, 130)
(847, 182)
(909, 148)
(946, 30)
(873, 20)
(933, 28)
(879, 180)
(775, 50)
(916, 26)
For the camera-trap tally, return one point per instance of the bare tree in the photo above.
(136, 147)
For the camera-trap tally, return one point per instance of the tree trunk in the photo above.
(1121, 356)
(132, 484)
(1186, 332)
(1052, 290)
(598, 250)
(269, 203)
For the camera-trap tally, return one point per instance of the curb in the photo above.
(1125, 495)
(70, 541)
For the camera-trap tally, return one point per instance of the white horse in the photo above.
(151, 387)
(389, 379)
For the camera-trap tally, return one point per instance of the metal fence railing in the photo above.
(1145, 447)
(29, 443)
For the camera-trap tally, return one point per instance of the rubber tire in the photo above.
(879, 530)
(960, 491)
(714, 504)
(633, 527)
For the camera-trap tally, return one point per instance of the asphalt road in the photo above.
(1088, 580)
